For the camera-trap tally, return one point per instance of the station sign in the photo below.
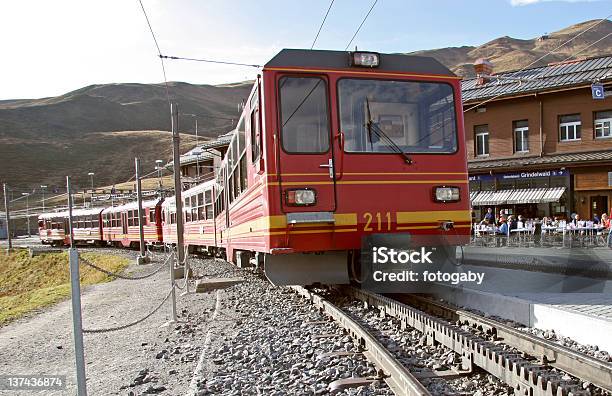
(520, 175)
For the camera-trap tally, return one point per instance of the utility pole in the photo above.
(91, 175)
(180, 251)
(198, 152)
(142, 259)
(75, 290)
(43, 187)
(27, 195)
(8, 219)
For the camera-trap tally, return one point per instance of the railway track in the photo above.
(528, 364)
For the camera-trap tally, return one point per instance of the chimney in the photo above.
(483, 68)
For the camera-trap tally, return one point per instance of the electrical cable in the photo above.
(362, 22)
(208, 61)
(322, 23)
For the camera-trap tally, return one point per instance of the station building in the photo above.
(198, 164)
(540, 140)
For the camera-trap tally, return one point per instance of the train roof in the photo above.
(341, 60)
(131, 206)
(75, 212)
(170, 201)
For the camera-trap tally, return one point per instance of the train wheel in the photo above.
(354, 267)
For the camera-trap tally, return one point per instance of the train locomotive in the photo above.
(333, 146)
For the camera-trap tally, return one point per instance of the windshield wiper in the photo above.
(374, 128)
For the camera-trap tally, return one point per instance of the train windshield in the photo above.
(304, 114)
(381, 115)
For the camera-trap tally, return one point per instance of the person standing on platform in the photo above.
(489, 216)
(606, 221)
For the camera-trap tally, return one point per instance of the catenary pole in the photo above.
(75, 291)
(180, 250)
(140, 211)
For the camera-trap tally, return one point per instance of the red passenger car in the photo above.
(120, 224)
(53, 227)
(198, 217)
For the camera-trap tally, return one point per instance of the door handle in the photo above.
(330, 166)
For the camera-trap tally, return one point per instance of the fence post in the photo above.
(75, 291)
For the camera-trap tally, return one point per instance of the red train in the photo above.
(332, 146)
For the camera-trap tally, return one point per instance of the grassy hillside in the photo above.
(30, 283)
(110, 155)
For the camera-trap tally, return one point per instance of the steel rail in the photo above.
(572, 362)
(399, 379)
(528, 378)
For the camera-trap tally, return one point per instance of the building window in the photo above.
(481, 140)
(603, 124)
(569, 127)
(521, 136)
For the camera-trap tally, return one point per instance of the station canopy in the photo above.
(513, 197)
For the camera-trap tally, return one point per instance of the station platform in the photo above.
(573, 306)
(590, 262)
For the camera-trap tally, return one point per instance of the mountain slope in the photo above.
(508, 53)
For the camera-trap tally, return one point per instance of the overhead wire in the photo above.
(587, 47)
(163, 66)
(540, 58)
(322, 23)
(208, 61)
(360, 25)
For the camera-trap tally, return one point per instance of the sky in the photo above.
(53, 47)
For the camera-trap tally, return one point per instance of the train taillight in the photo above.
(365, 59)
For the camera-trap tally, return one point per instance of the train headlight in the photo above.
(301, 197)
(365, 59)
(446, 194)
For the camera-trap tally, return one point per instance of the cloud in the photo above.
(519, 3)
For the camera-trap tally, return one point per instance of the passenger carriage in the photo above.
(198, 215)
(120, 224)
(53, 228)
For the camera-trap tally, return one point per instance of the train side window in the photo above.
(243, 173)
(255, 135)
(95, 222)
(194, 208)
(304, 114)
(187, 209)
(241, 136)
(152, 215)
(200, 207)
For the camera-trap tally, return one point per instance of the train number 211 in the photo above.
(382, 221)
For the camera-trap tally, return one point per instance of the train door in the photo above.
(306, 155)
(124, 224)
